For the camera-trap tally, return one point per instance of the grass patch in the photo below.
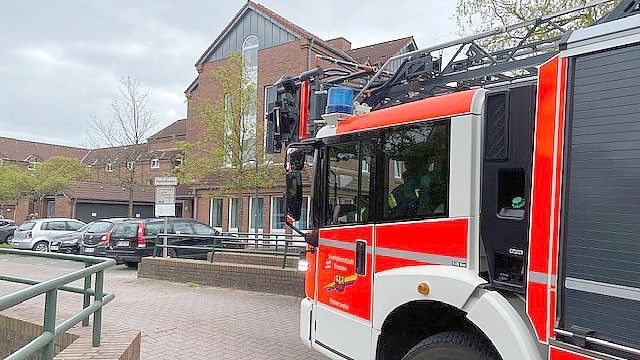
(192, 285)
(6, 246)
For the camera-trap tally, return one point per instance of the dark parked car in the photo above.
(68, 243)
(132, 240)
(96, 239)
(7, 227)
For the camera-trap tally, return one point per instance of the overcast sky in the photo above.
(60, 61)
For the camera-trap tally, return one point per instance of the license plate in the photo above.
(122, 243)
(54, 247)
(88, 250)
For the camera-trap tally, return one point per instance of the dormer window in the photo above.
(131, 165)
(155, 163)
(33, 162)
(109, 167)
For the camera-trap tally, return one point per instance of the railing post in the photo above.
(49, 324)
(86, 298)
(213, 249)
(97, 316)
(286, 250)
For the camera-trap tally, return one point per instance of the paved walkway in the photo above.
(178, 321)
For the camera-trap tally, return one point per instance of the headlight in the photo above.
(303, 265)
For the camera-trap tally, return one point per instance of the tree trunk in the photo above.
(130, 210)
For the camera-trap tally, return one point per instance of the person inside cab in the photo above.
(416, 196)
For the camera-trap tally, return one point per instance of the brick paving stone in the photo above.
(177, 321)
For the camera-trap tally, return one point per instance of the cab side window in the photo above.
(349, 182)
(416, 166)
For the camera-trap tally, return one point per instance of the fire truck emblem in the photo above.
(341, 282)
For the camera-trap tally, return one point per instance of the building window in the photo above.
(109, 167)
(304, 215)
(277, 213)
(234, 214)
(131, 165)
(397, 169)
(250, 55)
(228, 130)
(256, 213)
(155, 163)
(178, 162)
(33, 162)
(365, 165)
(215, 213)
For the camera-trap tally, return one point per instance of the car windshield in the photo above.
(100, 226)
(85, 227)
(27, 226)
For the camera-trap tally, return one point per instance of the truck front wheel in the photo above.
(452, 346)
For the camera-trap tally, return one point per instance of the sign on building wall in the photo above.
(165, 196)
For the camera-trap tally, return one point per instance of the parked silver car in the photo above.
(37, 234)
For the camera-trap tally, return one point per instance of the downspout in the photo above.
(194, 210)
(309, 53)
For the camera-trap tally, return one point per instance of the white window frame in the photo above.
(109, 167)
(232, 229)
(250, 217)
(272, 213)
(131, 165)
(397, 169)
(251, 43)
(178, 162)
(155, 163)
(219, 228)
(365, 165)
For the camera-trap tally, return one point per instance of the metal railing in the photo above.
(45, 341)
(285, 245)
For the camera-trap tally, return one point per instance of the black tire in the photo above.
(171, 253)
(131, 265)
(8, 239)
(452, 346)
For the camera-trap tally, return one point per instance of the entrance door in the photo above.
(344, 271)
(600, 295)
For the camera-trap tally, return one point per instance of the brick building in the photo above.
(100, 197)
(272, 46)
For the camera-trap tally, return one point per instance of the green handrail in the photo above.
(45, 341)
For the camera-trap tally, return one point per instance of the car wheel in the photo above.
(131, 265)
(171, 253)
(8, 238)
(41, 246)
(452, 346)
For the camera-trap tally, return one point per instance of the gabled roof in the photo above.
(88, 190)
(175, 129)
(285, 24)
(114, 154)
(22, 150)
(378, 54)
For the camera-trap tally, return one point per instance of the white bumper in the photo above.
(306, 313)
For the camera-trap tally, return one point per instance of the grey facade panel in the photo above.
(601, 231)
(251, 23)
(85, 211)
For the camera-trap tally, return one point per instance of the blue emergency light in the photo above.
(339, 100)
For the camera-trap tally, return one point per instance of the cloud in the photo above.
(60, 61)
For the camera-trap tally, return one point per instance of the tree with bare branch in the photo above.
(124, 131)
(229, 145)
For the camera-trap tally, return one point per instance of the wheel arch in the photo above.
(456, 301)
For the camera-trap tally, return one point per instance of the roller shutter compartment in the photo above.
(600, 276)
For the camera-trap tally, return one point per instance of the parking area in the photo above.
(178, 321)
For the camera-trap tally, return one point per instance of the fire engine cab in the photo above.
(487, 208)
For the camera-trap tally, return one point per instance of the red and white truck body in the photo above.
(531, 240)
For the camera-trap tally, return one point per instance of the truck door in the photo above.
(344, 276)
(600, 264)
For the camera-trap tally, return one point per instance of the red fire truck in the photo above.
(483, 207)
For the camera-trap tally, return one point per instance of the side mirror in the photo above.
(293, 196)
(295, 159)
